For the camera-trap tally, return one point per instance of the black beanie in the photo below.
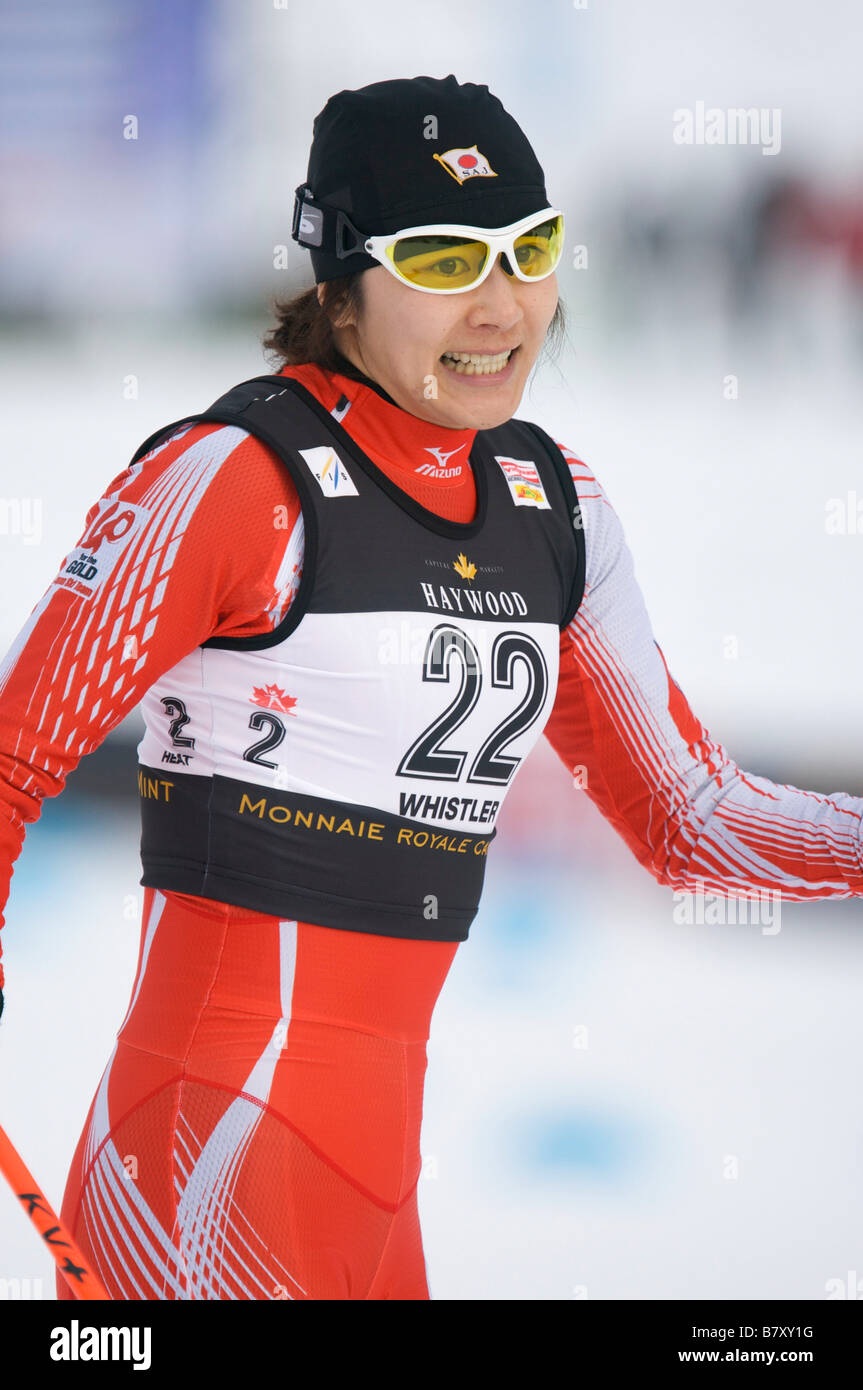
(408, 152)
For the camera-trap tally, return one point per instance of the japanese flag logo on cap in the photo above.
(466, 164)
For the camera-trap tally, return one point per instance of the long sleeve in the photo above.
(201, 538)
(623, 727)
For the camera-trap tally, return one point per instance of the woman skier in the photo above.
(349, 599)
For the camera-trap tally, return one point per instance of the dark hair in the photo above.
(304, 330)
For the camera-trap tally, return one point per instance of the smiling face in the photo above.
(402, 338)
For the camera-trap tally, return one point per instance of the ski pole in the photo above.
(71, 1263)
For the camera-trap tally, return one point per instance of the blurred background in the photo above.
(618, 1106)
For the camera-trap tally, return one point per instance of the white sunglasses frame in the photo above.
(501, 240)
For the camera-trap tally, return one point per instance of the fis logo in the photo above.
(329, 472)
(524, 482)
(466, 164)
(442, 471)
(86, 568)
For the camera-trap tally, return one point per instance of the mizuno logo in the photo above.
(442, 471)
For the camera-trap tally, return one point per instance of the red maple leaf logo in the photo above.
(271, 697)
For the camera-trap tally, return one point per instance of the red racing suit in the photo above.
(256, 1131)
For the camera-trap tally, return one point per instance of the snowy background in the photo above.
(594, 1067)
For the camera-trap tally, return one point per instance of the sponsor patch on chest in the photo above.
(523, 481)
